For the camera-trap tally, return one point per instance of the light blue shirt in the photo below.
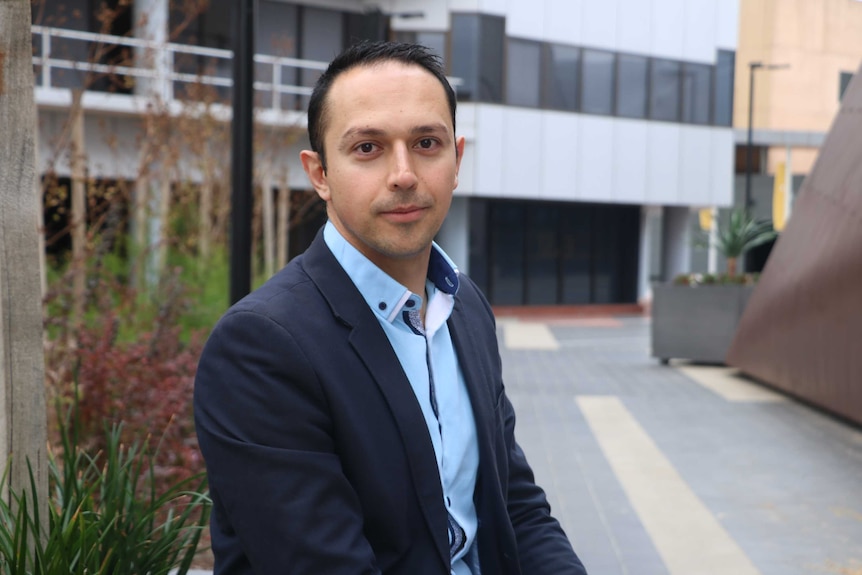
(428, 358)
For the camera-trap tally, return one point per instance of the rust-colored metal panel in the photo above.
(802, 329)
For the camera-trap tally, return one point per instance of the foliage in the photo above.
(742, 233)
(695, 280)
(105, 515)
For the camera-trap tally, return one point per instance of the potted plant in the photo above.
(695, 317)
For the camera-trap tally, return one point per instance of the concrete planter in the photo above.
(696, 323)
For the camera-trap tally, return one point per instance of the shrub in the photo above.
(105, 515)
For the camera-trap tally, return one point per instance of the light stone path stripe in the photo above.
(528, 335)
(685, 533)
(724, 382)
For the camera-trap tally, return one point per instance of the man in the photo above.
(351, 411)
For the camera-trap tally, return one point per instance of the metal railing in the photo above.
(156, 64)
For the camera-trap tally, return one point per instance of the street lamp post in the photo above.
(749, 147)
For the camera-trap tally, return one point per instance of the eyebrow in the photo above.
(353, 133)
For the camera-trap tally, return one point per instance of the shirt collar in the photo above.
(385, 296)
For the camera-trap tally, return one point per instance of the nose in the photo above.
(402, 175)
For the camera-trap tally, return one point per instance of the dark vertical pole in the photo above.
(749, 147)
(241, 150)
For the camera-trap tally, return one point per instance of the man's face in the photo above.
(391, 161)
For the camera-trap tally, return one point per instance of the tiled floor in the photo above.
(677, 469)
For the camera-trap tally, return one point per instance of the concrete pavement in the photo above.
(679, 470)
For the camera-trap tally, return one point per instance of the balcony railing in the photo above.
(163, 66)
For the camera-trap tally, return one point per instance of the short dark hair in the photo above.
(363, 54)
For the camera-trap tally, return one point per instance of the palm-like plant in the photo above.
(741, 234)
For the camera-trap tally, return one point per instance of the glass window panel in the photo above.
(576, 246)
(522, 73)
(597, 88)
(477, 56)
(507, 253)
(465, 55)
(606, 254)
(843, 81)
(632, 86)
(541, 251)
(479, 249)
(436, 41)
(276, 35)
(696, 93)
(561, 71)
(724, 70)
(322, 33)
(665, 90)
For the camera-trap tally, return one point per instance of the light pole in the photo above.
(749, 148)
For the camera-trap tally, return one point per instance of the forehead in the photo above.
(388, 91)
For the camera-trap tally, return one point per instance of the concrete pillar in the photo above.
(675, 242)
(151, 23)
(712, 265)
(454, 235)
(644, 287)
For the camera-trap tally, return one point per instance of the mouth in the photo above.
(403, 214)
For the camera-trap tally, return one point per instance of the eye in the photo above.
(427, 143)
(365, 147)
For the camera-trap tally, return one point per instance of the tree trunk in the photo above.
(268, 222)
(283, 225)
(23, 425)
(731, 267)
(205, 209)
(78, 219)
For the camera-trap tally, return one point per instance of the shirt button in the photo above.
(410, 303)
(382, 306)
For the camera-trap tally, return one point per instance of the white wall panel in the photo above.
(635, 26)
(668, 19)
(435, 15)
(599, 29)
(464, 5)
(662, 163)
(498, 7)
(560, 145)
(722, 168)
(630, 162)
(564, 21)
(526, 20)
(521, 162)
(595, 160)
(700, 30)
(488, 177)
(695, 166)
(727, 23)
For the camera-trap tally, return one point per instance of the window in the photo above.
(561, 69)
(522, 73)
(843, 81)
(435, 41)
(664, 90)
(477, 46)
(631, 86)
(723, 94)
(696, 93)
(597, 88)
(276, 35)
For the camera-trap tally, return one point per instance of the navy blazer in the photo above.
(318, 457)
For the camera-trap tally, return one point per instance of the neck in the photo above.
(410, 273)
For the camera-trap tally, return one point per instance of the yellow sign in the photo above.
(779, 200)
(706, 222)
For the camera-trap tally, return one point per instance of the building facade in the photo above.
(593, 128)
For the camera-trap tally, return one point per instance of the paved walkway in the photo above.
(679, 470)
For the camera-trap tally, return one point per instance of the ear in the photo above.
(459, 154)
(316, 175)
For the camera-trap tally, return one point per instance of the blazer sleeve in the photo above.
(281, 501)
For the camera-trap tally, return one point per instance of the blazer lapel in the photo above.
(373, 348)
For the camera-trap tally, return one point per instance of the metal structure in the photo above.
(802, 329)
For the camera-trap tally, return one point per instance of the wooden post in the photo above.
(23, 421)
(283, 224)
(78, 219)
(268, 222)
